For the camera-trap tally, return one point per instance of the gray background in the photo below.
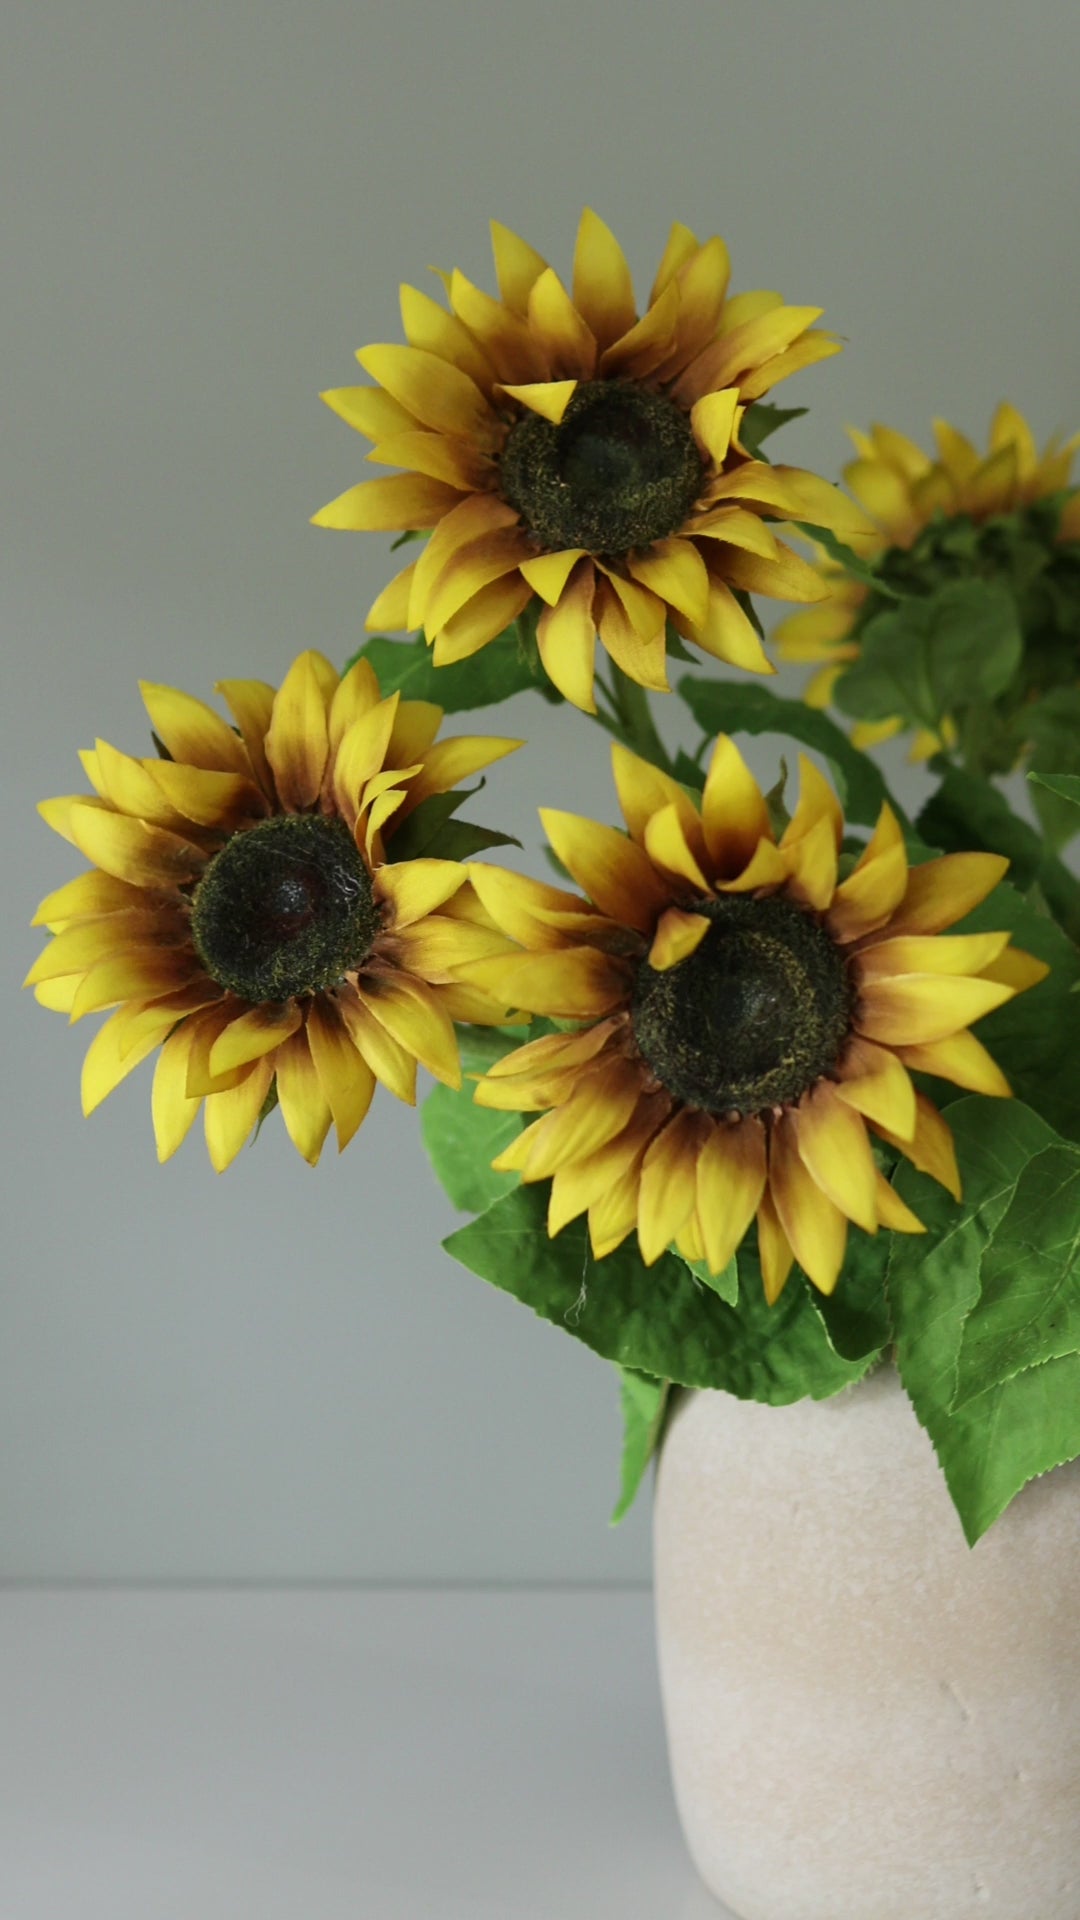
(207, 208)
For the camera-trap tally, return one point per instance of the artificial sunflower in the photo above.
(244, 912)
(745, 1016)
(919, 504)
(561, 445)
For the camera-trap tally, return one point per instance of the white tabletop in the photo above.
(354, 1754)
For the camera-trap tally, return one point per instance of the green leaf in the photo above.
(988, 1448)
(461, 1140)
(761, 420)
(857, 568)
(657, 1320)
(725, 1285)
(856, 1316)
(1028, 1309)
(1066, 785)
(505, 666)
(644, 1405)
(1053, 727)
(967, 814)
(935, 655)
(480, 1047)
(729, 706)
(431, 831)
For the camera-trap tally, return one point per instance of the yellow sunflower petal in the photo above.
(875, 1082)
(567, 342)
(117, 1048)
(144, 856)
(834, 1147)
(503, 335)
(390, 608)
(961, 1058)
(253, 1034)
(614, 1215)
(221, 800)
(919, 1007)
(774, 1250)
(712, 419)
(734, 814)
(675, 571)
(813, 865)
(600, 1106)
(517, 266)
(229, 1117)
(346, 1079)
(668, 1190)
(942, 891)
(728, 633)
(731, 1174)
(667, 846)
(437, 457)
(581, 1184)
(361, 753)
(371, 411)
(677, 936)
(548, 398)
(682, 245)
(483, 618)
(566, 639)
(418, 887)
(404, 501)
(631, 624)
(437, 393)
(251, 703)
(932, 1148)
(172, 1108)
(1015, 970)
(298, 743)
(451, 761)
(816, 1228)
(967, 953)
(139, 974)
(192, 732)
(304, 1107)
(433, 329)
(647, 344)
(610, 868)
(817, 802)
(894, 1213)
(471, 569)
(413, 1016)
(644, 790)
(389, 1061)
(603, 288)
(567, 985)
(89, 895)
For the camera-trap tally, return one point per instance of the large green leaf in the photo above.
(856, 1316)
(990, 1447)
(967, 814)
(431, 832)
(505, 666)
(761, 420)
(657, 1320)
(1065, 785)
(462, 1140)
(955, 648)
(725, 1284)
(731, 706)
(644, 1405)
(1028, 1308)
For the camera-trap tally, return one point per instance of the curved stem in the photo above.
(631, 720)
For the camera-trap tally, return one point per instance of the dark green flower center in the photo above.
(286, 907)
(620, 470)
(754, 1016)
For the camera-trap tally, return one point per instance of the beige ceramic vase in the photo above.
(867, 1719)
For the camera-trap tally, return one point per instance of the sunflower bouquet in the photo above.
(710, 1091)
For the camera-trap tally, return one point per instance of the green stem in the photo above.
(632, 721)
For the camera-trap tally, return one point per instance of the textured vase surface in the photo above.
(867, 1719)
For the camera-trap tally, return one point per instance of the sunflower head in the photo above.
(245, 914)
(1009, 516)
(747, 1011)
(563, 445)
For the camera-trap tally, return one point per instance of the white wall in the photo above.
(208, 207)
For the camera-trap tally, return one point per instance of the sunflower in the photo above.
(915, 501)
(561, 445)
(744, 1016)
(243, 912)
